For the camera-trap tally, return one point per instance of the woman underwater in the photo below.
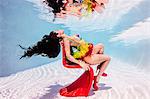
(87, 54)
(61, 8)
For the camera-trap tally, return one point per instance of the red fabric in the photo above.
(80, 87)
(93, 5)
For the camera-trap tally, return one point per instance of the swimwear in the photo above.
(83, 50)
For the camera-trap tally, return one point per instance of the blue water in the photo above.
(20, 24)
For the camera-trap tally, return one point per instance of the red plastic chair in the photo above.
(67, 63)
(82, 85)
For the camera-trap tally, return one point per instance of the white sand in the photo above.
(123, 82)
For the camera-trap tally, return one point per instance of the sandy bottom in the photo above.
(123, 82)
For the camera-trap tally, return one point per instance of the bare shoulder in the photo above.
(66, 42)
(67, 46)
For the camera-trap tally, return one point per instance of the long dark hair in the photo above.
(56, 5)
(49, 46)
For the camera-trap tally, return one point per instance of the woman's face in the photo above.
(60, 33)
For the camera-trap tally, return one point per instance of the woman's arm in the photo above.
(75, 39)
(68, 53)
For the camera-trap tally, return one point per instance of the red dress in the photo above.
(80, 87)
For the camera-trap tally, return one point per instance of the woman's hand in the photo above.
(84, 65)
(101, 51)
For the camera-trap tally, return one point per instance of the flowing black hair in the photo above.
(55, 4)
(49, 46)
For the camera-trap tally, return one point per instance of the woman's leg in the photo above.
(98, 49)
(103, 67)
(101, 59)
(95, 59)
